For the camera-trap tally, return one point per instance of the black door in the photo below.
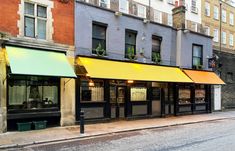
(168, 105)
(117, 101)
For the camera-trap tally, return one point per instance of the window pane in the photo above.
(42, 11)
(130, 38)
(96, 43)
(197, 51)
(17, 92)
(29, 27)
(98, 31)
(123, 6)
(156, 45)
(196, 61)
(29, 8)
(92, 93)
(50, 95)
(41, 29)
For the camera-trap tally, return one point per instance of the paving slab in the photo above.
(13, 139)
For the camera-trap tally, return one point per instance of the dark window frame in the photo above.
(129, 31)
(201, 57)
(155, 37)
(27, 79)
(102, 25)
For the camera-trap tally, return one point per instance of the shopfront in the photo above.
(108, 89)
(34, 85)
(196, 98)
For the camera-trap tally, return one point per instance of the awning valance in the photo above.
(203, 77)
(26, 61)
(109, 69)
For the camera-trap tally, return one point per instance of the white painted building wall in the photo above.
(165, 6)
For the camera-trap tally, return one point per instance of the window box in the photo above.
(24, 126)
(40, 125)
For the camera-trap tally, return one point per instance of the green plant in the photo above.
(99, 50)
(131, 53)
(156, 57)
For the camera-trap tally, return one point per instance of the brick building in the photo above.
(37, 35)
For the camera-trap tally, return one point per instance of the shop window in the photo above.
(29, 93)
(98, 38)
(92, 91)
(200, 94)
(139, 92)
(197, 56)
(35, 20)
(130, 43)
(184, 95)
(156, 48)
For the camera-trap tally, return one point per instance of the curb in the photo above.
(84, 136)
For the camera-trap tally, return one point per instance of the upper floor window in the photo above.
(169, 20)
(156, 48)
(157, 16)
(216, 12)
(141, 11)
(223, 37)
(224, 15)
(104, 3)
(231, 39)
(207, 9)
(216, 35)
(35, 20)
(130, 43)
(194, 8)
(231, 19)
(197, 56)
(207, 30)
(98, 38)
(124, 6)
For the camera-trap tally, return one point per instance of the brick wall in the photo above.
(9, 16)
(63, 16)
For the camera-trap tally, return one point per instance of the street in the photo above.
(213, 135)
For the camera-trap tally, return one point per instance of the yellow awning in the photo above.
(203, 77)
(107, 69)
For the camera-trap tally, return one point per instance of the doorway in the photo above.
(169, 103)
(117, 101)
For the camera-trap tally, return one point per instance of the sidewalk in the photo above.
(13, 139)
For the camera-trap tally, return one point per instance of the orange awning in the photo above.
(203, 77)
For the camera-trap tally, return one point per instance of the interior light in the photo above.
(91, 83)
(130, 81)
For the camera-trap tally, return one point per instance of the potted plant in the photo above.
(131, 53)
(156, 57)
(99, 50)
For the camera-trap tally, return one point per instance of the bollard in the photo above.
(81, 122)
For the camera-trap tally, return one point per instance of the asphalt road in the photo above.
(206, 136)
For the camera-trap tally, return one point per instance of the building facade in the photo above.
(116, 57)
(218, 20)
(35, 39)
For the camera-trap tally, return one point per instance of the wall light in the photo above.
(91, 83)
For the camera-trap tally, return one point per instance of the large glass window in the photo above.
(130, 43)
(92, 91)
(98, 38)
(33, 92)
(184, 95)
(139, 92)
(35, 20)
(197, 56)
(200, 94)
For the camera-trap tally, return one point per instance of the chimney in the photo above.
(178, 14)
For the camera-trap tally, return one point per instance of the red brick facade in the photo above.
(9, 16)
(62, 14)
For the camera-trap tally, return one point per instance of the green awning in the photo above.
(26, 61)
